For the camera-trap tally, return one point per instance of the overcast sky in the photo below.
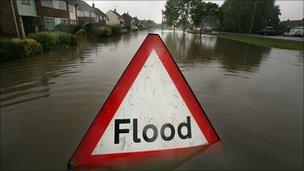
(152, 9)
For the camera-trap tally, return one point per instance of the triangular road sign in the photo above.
(150, 113)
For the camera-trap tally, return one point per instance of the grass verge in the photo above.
(263, 41)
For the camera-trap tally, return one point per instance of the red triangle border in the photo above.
(82, 157)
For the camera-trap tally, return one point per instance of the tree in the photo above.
(184, 9)
(177, 13)
(171, 14)
(273, 19)
(205, 14)
(248, 16)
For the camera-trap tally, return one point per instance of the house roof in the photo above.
(82, 5)
(116, 13)
(293, 23)
(99, 12)
(126, 15)
(135, 18)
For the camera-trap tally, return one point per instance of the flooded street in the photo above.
(252, 95)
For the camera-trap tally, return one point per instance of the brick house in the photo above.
(127, 20)
(18, 17)
(21, 17)
(51, 13)
(8, 23)
(72, 12)
(135, 23)
(85, 13)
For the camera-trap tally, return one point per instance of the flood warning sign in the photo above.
(151, 112)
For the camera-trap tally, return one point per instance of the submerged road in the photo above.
(252, 95)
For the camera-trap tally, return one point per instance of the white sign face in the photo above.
(152, 116)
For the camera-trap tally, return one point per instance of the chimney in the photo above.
(93, 5)
(114, 9)
(128, 13)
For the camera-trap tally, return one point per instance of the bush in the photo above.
(111, 30)
(90, 27)
(103, 30)
(93, 29)
(98, 32)
(35, 44)
(19, 48)
(46, 39)
(116, 29)
(98, 29)
(9, 50)
(68, 28)
(124, 31)
(28, 47)
(66, 40)
(54, 40)
(81, 33)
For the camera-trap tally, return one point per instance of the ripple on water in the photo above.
(252, 95)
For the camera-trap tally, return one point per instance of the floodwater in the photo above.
(252, 95)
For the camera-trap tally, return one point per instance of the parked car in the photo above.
(196, 29)
(295, 31)
(207, 29)
(134, 28)
(268, 31)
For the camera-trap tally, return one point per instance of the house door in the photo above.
(28, 24)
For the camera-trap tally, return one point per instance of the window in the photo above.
(25, 2)
(46, 3)
(49, 23)
(65, 21)
(79, 13)
(86, 13)
(62, 5)
(71, 8)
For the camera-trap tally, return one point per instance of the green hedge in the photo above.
(66, 40)
(54, 40)
(81, 33)
(19, 48)
(111, 30)
(46, 39)
(116, 29)
(104, 30)
(9, 50)
(92, 29)
(68, 28)
(35, 44)
(28, 47)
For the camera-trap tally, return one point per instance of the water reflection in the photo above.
(32, 77)
(234, 56)
(252, 95)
